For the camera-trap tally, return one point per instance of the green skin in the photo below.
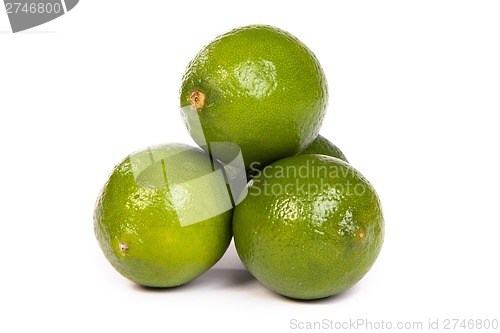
(137, 226)
(263, 90)
(312, 234)
(322, 146)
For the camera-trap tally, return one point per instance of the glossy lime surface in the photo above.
(259, 87)
(162, 219)
(310, 227)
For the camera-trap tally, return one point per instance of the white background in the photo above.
(414, 104)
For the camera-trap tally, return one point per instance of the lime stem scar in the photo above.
(197, 99)
(123, 247)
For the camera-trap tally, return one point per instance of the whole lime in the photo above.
(258, 87)
(164, 216)
(310, 227)
(323, 146)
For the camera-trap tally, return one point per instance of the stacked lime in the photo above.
(308, 224)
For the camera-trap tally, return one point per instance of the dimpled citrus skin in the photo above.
(138, 228)
(309, 245)
(323, 146)
(264, 90)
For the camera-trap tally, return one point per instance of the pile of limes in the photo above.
(305, 223)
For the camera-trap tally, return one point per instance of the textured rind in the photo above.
(313, 245)
(265, 91)
(323, 146)
(160, 252)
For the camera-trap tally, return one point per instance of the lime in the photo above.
(164, 216)
(310, 227)
(322, 146)
(258, 87)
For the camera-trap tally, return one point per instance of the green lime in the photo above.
(322, 146)
(258, 87)
(164, 216)
(311, 226)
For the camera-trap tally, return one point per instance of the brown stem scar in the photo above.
(197, 99)
(123, 247)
